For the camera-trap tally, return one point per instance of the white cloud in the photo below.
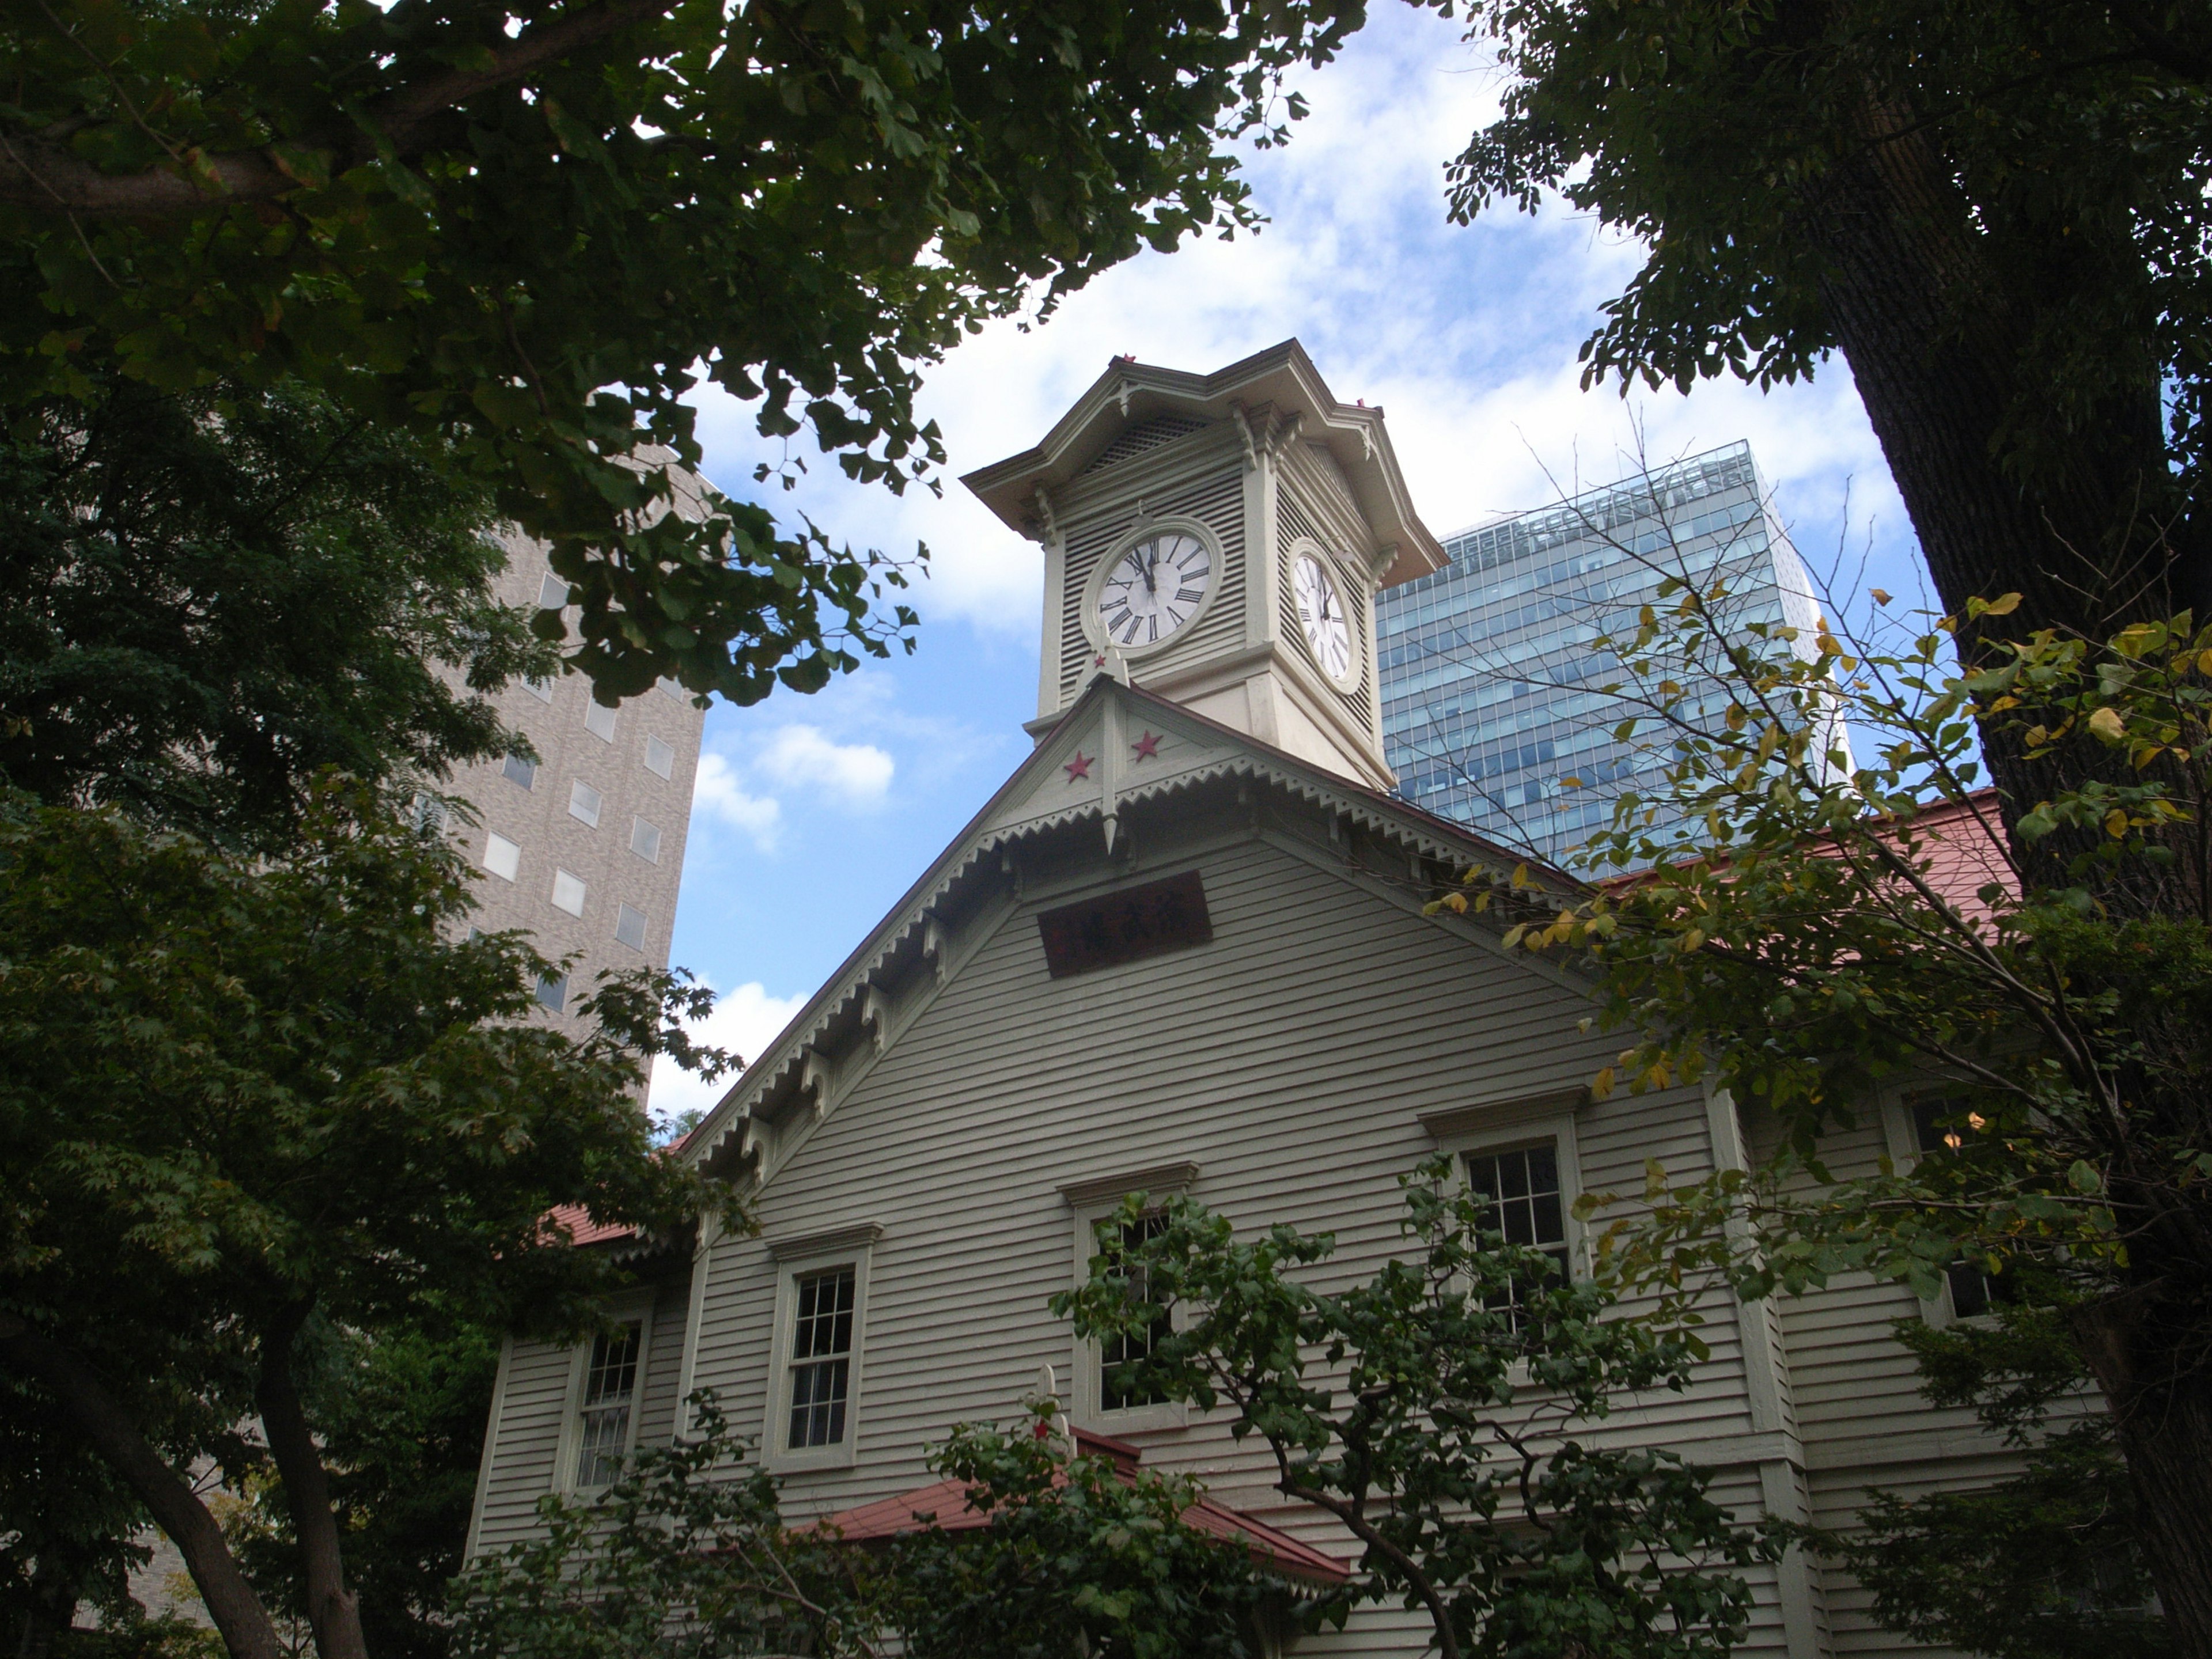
(745, 1020)
(802, 756)
(719, 794)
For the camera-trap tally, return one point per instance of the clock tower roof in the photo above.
(1281, 379)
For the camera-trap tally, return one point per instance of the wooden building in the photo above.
(1182, 950)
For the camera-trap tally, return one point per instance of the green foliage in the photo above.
(1430, 1410)
(2042, 1565)
(244, 1097)
(688, 1556)
(2072, 1044)
(207, 599)
(2034, 975)
(2054, 155)
(65, 1523)
(1078, 1558)
(233, 1086)
(401, 1414)
(539, 228)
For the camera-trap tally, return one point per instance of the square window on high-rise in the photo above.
(521, 771)
(552, 593)
(645, 840)
(659, 757)
(553, 991)
(599, 720)
(568, 893)
(503, 857)
(541, 688)
(670, 688)
(629, 926)
(584, 803)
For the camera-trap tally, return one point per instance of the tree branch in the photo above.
(84, 1398)
(37, 169)
(333, 1611)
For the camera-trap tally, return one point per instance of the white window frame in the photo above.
(583, 892)
(511, 856)
(1505, 1126)
(633, 1309)
(577, 789)
(797, 1258)
(1901, 1140)
(1092, 1201)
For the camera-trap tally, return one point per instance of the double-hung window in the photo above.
(608, 1404)
(1520, 1187)
(1094, 1401)
(1131, 1345)
(821, 1358)
(821, 1315)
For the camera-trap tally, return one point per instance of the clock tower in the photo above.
(1219, 540)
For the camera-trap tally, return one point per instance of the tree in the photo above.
(1078, 1558)
(1997, 215)
(207, 599)
(400, 1415)
(1400, 1407)
(1795, 931)
(536, 226)
(688, 1553)
(2043, 1565)
(244, 1099)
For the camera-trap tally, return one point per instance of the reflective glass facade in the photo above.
(1490, 699)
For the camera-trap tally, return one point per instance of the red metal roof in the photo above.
(946, 1505)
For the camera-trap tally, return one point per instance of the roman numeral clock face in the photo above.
(1321, 612)
(1153, 589)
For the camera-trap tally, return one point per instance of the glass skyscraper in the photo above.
(1491, 699)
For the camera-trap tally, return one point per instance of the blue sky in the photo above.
(815, 813)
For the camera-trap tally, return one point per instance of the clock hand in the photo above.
(1152, 564)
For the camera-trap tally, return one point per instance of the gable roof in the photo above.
(1283, 378)
(1047, 791)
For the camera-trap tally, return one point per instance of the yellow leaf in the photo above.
(2116, 824)
(1457, 903)
(1692, 940)
(2204, 663)
(2001, 607)
(2107, 724)
(1880, 598)
(1602, 1084)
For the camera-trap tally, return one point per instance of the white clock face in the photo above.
(1321, 610)
(1154, 588)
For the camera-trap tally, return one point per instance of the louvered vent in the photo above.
(1146, 435)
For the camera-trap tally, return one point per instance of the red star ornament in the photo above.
(1079, 767)
(1147, 747)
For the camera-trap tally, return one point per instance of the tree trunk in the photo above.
(1938, 343)
(2162, 1418)
(1939, 346)
(333, 1611)
(77, 1389)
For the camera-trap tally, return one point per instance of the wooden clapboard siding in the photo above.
(1289, 1058)
(523, 1444)
(527, 1441)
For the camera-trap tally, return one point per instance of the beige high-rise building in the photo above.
(583, 847)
